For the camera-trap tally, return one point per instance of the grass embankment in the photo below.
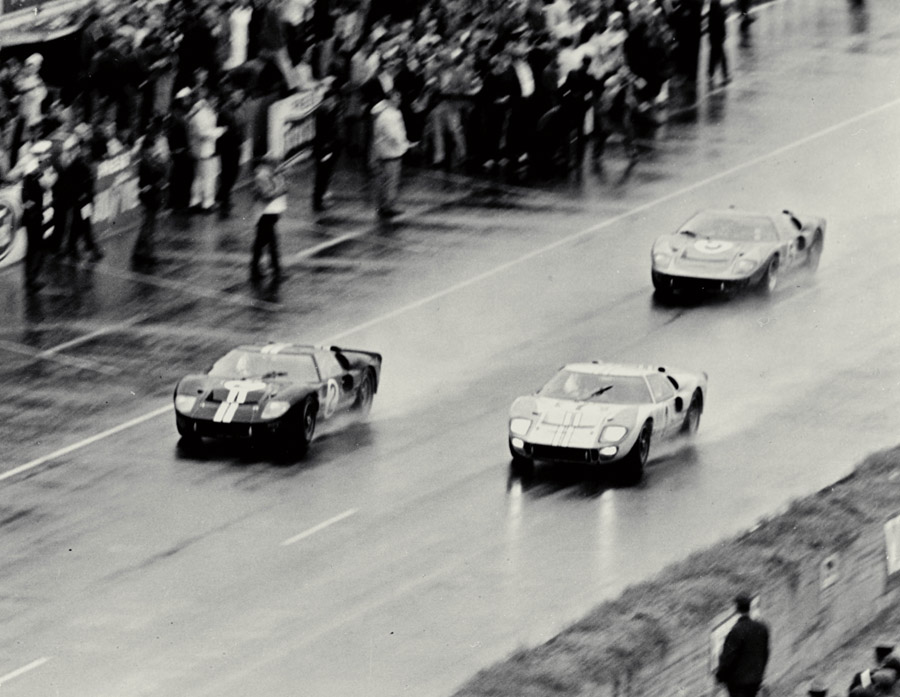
(637, 630)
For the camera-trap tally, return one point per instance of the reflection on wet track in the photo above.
(402, 555)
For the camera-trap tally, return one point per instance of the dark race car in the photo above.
(277, 392)
(724, 251)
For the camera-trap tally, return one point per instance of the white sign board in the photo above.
(829, 571)
(892, 544)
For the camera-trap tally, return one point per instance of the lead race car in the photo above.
(724, 251)
(276, 391)
(605, 415)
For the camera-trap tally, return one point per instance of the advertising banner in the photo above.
(292, 125)
(117, 188)
(115, 202)
(892, 545)
(12, 236)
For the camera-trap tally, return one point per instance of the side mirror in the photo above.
(679, 405)
(347, 383)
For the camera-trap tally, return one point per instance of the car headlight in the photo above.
(185, 403)
(519, 426)
(744, 265)
(613, 434)
(661, 259)
(274, 409)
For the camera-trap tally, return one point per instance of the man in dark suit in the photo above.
(745, 653)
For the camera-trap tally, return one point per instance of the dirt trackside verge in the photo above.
(655, 639)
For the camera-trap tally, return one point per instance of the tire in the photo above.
(815, 252)
(662, 290)
(365, 394)
(769, 281)
(631, 470)
(306, 427)
(187, 433)
(692, 419)
(522, 466)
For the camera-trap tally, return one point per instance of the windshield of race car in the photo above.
(252, 364)
(602, 389)
(738, 228)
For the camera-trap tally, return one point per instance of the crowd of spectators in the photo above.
(481, 82)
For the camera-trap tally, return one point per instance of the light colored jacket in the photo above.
(203, 130)
(388, 132)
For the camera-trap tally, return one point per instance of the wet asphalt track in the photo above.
(401, 556)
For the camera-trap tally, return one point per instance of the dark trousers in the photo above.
(716, 58)
(143, 246)
(265, 237)
(231, 165)
(742, 690)
(80, 228)
(324, 170)
(34, 254)
(62, 215)
(180, 182)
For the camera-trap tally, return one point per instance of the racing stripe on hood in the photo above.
(574, 424)
(227, 409)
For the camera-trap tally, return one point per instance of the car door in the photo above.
(339, 392)
(664, 404)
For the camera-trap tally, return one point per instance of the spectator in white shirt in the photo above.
(389, 145)
(204, 133)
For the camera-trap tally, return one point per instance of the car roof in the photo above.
(281, 348)
(606, 368)
(733, 213)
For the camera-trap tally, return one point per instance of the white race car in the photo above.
(605, 415)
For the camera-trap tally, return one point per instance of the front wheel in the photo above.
(308, 413)
(769, 281)
(186, 431)
(522, 466)
(632, 467)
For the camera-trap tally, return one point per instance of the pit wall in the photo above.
(821, 572)
(833, 596)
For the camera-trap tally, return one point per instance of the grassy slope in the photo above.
(637, 629)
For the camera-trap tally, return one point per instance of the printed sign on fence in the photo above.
(892, 544)
(292, 125)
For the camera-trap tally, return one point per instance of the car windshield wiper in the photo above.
(597, 393)
(689, 233)
(273, 374)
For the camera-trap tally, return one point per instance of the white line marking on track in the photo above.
(101, 331)
(502, 267)
(24, 669)
(70, 361)
(87, 441)
(608, 222)
(316, 528)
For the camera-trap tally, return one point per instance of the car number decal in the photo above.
(331, 397)
(706, 246)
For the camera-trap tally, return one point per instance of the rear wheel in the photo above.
(632, 467)
(365, 394)
(815, 252)
(692, 419)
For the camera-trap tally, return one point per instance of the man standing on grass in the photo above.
(742, 663)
